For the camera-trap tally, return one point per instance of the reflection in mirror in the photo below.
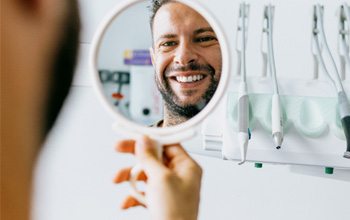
(159, 63)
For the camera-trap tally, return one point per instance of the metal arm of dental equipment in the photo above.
(314, 55)
(316, 47)
(276, 113)
(343, 102)
(243, 15)
(243, 99)
(264, 45)
(344, 39)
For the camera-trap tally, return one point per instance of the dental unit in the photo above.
(276, 114)
(243, 99)
(343, 102)
(344, 39)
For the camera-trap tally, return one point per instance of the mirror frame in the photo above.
(191, 123)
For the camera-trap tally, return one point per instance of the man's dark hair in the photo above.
(154, 7)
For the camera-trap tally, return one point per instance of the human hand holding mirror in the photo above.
(161, 72)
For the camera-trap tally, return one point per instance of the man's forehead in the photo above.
(174, 17)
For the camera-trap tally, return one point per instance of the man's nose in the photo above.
(185, 54)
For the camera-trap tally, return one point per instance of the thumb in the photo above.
(146, 151)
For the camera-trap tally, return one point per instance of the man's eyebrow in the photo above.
(166, 36)
(202, 30)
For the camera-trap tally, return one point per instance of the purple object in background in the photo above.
(137, 57)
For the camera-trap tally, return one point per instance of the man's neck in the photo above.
(172, 119)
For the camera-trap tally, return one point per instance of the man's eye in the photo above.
(168, 44)
(205, 39)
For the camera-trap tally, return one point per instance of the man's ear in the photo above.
(151, 51)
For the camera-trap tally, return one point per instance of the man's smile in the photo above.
(188, 79)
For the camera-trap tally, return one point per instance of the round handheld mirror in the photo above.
(160, 67)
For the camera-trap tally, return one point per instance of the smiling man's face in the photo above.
(187, 58)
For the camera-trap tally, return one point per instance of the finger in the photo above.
(125, 146)
(123, 175)
(180, 161)
(146, 152)
(130, 201)
(175, 151)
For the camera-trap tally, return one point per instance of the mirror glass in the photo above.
(159, 65)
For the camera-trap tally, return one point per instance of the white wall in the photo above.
(130, 31)
(77, 165)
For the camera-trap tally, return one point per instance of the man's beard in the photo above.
(61, 74)
(172, 102)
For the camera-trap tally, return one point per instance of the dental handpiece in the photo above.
(276, 115)
(343, 102)
(243, 99)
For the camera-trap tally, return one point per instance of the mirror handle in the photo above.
(136, 171)
(160, 138)
(159, 141)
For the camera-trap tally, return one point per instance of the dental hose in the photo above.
(343, 102)
(276, 115)
(347, 15)
(243, 100)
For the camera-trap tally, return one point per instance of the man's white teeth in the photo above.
(189, 78)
